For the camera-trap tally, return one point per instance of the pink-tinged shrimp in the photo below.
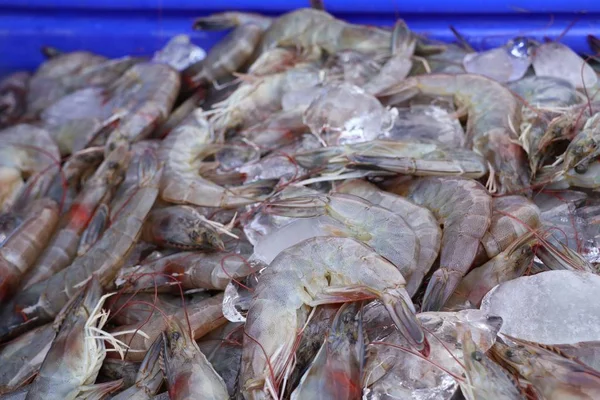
(464, 208)
(335, 372)
(189, 374)
(149, 377)
(321, 270)
(42, 301)
(13, 93)
(203, 317)
(147, 91)
(420, 219)
(182, 152)
(26, 152)
(96, 227)
(63, 247)
(186, 270)
(278, 130)
(24, 245)
(493, 115)
(21, 358)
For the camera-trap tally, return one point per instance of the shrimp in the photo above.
(336, 369)
(228, 55)
(188, 372)
(25, 152)
(149, 377)
(230, 19)
(40, 302)
(419, 158)
(203, 316)
(65, 374)
(316, 271)
(493, 115)
(278, 130)
(96, 227)
(147, 92)
(553, 376)
(420, 219)
(115, 369)
(509, 264)
(20, 250)
(21, 358)
(182, 151)
(464, 208)
(307, 28)
(186, 270)
(350, 216)
(485, 378)
(584, 147)
(63, 247)
(13, 92)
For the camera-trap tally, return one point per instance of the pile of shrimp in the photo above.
(310, 209)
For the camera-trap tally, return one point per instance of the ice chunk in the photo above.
(349, 111)
(180, 53)
(552, 307)
(499, 64)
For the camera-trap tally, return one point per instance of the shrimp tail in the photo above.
(215, 22)
(440, 288)
(402, 313)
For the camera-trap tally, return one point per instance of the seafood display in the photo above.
(310, 209)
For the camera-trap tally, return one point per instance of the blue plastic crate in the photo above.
(140, 27)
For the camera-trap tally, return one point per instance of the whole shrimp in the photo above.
(464, 208)
(146, 92)
(181, 227)
(65, 375)
(21, 358)
(203, 316)
(41, 302)
(20, 250)
(419, 158)
(509, 264)
(493, 116)
(384, 231)
(420, 219)
(63, 247)
(26, 152)
(553, 376)
(188, 372)
(335, 372)
(149, 377)
(316, 271)
(187, 270)
(182, 152)
(485, 378)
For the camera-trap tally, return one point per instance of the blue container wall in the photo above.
(140, 27)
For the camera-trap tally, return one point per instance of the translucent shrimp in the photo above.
(187, 270)
(182, 152)
(42, 301)
(493, 116)
(464, 209)
(419, 158)
(509, 264)
(63, 247)
(316, 271)
(383, 230)
(26, 152)
(336, 369)
(553, 376)
(182, 227)
(24, 245)
(420, 219)
(485, 378)
(149, 377)
(188, 372)
(229, 19)
(75, 357)
(146, 92)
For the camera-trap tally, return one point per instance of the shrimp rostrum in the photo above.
(319, 270)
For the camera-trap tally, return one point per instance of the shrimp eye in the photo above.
(113, 165)
(581, 168)
(175, 335)
(477, 356)
(509, 353)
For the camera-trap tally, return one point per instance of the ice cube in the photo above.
(552, 307)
